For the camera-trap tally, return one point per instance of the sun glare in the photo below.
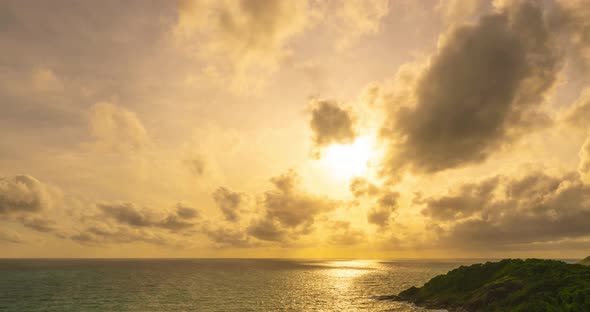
(349, 160)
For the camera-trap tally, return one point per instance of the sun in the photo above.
(350, 160)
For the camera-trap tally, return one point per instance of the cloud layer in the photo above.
(483, 87)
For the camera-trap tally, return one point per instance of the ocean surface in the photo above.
(211, 284)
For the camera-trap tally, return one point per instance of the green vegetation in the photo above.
(507, 285)
(585, 261)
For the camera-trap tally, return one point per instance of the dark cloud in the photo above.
(267, 230)
(186, 212)
(26, 200)
(131, 215)
(287, 211)
(228, 202)
(468, 199)
(535, 208)
(483, 88)
(330, 124)
(386, 205)
(22, 193)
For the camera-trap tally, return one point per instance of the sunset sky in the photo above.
(320, 128)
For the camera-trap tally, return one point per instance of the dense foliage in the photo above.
(507, 285)
(585, 261)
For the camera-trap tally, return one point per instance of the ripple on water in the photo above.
(210, 284)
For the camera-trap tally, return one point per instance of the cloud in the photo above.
(341, 233)
(360, 187)
(534, 208)
(45, 80)
(228, 202)
(357, 18)
(117, 128)
(287, 210)
(267, 230)
(386, 205)
(23, 193)
(123, 223)
(457, 11)
(330, 124)
(129, 214)
(197, 165)
(463, 202)
(384, 202)
(101, 234)
(584, 166)
(26, 200)
(228, 237)
(572, 17)
(40, 224)
(248, 36)
(578, 115)
(11, 237)
(483, 88)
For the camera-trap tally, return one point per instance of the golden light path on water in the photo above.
(350, 283)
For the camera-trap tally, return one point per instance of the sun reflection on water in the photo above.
(343, 273)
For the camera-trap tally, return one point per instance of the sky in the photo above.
(295, 129)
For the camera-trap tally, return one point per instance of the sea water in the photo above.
(211, 284)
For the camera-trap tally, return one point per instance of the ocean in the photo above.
(211, 284)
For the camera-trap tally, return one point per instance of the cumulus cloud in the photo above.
(228, 202)
(26, 200)
(534, 208)
(330, 123)
(23, 193)
(482, 88)
(246, 35)
(116, 128)
(463, 202)
(380, 214)
(267, 230)
(130, 214)
(123, 223)
(287, 210)
(342, 233)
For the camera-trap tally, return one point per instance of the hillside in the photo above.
(585, 261)
(507, 285)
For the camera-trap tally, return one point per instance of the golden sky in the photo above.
(312, 128)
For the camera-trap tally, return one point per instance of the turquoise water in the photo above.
(210, 284)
